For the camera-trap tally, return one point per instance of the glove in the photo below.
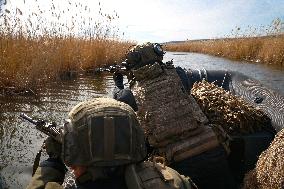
(118, 79)
(53, 148)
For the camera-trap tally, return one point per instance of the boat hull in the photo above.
(245, 149)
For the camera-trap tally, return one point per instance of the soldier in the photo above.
(174, 124)
(104, 145)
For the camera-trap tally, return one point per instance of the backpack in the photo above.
(171, 118)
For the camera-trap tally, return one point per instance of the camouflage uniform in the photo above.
(104, 136)
(47, 177)
(175, 126)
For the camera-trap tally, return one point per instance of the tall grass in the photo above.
(25, 63)
(268, 49)
(35, 52)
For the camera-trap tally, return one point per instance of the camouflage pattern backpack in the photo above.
(172, 120)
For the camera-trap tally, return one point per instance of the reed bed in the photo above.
(26, 63)
(269, 170)
(254, 47)
(34, 50)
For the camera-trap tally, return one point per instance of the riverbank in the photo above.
(262, 50)
(27, 63)
(52, 43)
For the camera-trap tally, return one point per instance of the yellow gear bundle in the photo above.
(233, 113)
(269, 171)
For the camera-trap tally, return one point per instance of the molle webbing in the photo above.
(149, 175)
(191, 146)
(167, 113)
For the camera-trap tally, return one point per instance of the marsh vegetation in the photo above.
(40, 46)
(260, 45)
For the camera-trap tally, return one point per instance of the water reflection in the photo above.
(19, 141)
(99, 84)
(272, 77)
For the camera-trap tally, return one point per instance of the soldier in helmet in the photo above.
(104, 145)
(174, 124)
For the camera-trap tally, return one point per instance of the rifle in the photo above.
(113, 68)
(48, 128)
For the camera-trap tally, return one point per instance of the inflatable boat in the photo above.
(245, 149)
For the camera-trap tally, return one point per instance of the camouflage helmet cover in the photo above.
(144, 54)
(103, 132)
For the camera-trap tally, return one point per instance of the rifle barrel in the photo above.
(26, 117)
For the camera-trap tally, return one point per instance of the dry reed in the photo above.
(267, 49)
(34, 52)
(250, 181)
(232, 113)
(269, 171)
(28, 62)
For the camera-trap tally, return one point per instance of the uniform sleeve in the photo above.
(50, 174)
(186, 82)
(125, 95)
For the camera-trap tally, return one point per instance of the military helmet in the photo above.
(144, 54)
(103, 132)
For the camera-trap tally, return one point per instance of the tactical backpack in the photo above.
(103, 132)
(172, 120)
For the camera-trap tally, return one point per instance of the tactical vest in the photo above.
(169, 116)
(144, 175)
(149, 175)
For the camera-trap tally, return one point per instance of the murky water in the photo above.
(272, 77)
(19, 142)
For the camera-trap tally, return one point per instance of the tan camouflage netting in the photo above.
(171, 118)
(165, 111)
(233, 113)
(269, 171)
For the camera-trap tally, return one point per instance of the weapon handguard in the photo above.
(48, 128)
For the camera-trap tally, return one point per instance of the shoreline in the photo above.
(267, 50)
(29, 63)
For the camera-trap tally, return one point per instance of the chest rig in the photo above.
(170, 117)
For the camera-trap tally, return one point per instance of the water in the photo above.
(19, 142)
(272, 77)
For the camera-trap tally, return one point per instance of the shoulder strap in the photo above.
(149, 175)
(131, 177)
